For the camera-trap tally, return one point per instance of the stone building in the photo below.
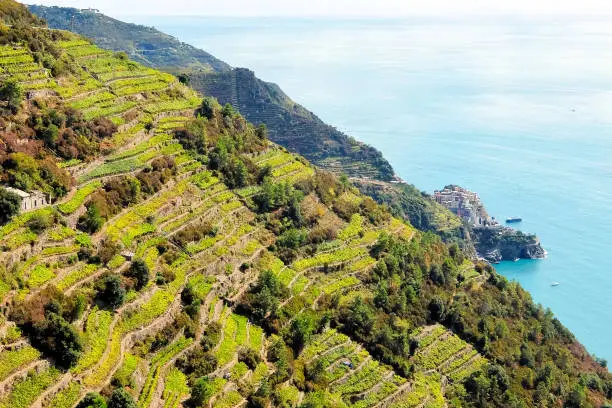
(30, 201)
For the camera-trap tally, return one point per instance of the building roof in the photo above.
(20, 193)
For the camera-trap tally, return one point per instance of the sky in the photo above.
(337, 8)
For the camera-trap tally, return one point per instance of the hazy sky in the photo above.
(380, 8)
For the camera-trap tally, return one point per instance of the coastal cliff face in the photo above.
(506, 244)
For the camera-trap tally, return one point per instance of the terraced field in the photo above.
(145, 342)
(441, 351)
(360, 381)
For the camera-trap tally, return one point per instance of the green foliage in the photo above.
(265, 296)
(9, 205)
(95, 337)
(207, 109)
(92, 400)
(67, 397)
(11, 360)
(140, 272)
(58, 338)
(11, 93)
(203, 389)
(40, 222)
(375, 279)
(120, 398)
(92, 221)
(273, 196)
(193, 135)
(112, 292)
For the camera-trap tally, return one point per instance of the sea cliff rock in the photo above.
(497, 244)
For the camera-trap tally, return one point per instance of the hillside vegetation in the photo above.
(289, 124)
(188, 261)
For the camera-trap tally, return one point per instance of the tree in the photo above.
(208, 108)
(436, 309)
(58, 338)
(527, 358)
(193, 135)
(300, 331)
(262, 131)
(12, 93)
(359, 318)
(264, 302)
(315, 371)
(10, 204)
(201, 391)
(266, 294)
(91, 221)
(112, 293)
(49, 135)
(249, 356)
(139, 271)
(235, 173)
(228, 110)
(92, 400)
(292, 238)
(120, 398)
(183, 79)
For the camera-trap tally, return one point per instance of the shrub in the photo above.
(193, 135)
(208, 108)
(9, 205)
(92, 400)
(140, 272)
(112, 292)
(91, 221)
(197, 363)
(40, 222)
(12, 93)
(201, 392)
(58, 338)
(249, 356)
(120, 398)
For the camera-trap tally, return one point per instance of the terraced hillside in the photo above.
(289, 124)
(185, 260)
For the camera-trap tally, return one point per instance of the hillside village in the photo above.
(465, 204)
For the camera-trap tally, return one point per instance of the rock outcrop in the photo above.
(497, 244)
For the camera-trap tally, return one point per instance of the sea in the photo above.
(517, 109)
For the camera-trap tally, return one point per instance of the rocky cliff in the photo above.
(499, 243)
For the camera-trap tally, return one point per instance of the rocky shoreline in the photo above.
(496, 244)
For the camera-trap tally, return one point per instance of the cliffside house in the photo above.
(29, 201)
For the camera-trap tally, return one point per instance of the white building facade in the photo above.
(30, 201)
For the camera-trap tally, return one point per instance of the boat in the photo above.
(513, 219)
(555, 284)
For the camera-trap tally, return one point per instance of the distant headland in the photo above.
(492, 240)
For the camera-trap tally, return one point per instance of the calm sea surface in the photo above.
(518, 110)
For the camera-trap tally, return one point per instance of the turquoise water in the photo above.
(518, 110)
